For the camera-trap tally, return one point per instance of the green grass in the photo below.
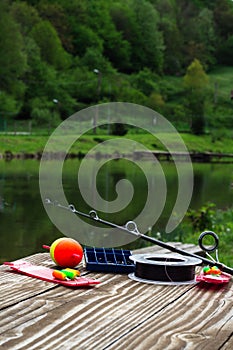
(34, 144)
(223, 77)
(22, 144)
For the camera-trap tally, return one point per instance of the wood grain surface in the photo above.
(117, 314)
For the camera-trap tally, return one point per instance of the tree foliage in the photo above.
(195, 78)
(12, 57)
(196, 82)
(49, 50)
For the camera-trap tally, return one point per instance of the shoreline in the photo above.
(198, 157)
(199, 148)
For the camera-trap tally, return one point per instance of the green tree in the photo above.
(85, 38)
(50, 45)
(225, 52)
(172, 36)
(223, 15)
(115, 48)
(173, 42)
(9, 105)
(25, 15)
(74, 26)
(94, 59)
(146, 81)
(203, 44)
(55, 14)
(146, 40)
(156, 102)
(196, 83)
(195, 78)
(196, 32)
(12, 60)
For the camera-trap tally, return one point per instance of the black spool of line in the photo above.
(167, 268)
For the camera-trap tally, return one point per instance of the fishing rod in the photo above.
(131, 228)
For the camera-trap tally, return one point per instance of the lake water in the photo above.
(25, 225)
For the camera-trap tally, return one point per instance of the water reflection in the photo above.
(25, 226)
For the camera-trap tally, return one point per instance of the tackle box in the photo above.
(108, 260)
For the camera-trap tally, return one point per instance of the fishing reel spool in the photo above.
(164, 268)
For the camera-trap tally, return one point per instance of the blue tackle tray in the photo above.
(108, 260)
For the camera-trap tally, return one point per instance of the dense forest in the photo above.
(59, 56)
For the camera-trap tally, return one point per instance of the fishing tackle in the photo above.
(131, 228)
(65, 252)
(66, 274)
(211, 274)
(164, 268)
(46, 274)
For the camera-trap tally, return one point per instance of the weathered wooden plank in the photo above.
(130, 315)
(117, 314)
(97, 315)
(200, 319)
(228, 344)
(16, 287)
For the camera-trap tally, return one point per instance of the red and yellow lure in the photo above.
(213, 275)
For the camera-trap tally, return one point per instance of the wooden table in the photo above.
(117, 314)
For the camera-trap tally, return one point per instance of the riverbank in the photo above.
(31, 146)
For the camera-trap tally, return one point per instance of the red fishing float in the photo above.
(65, 252)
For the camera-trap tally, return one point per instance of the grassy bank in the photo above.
(36, 143)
